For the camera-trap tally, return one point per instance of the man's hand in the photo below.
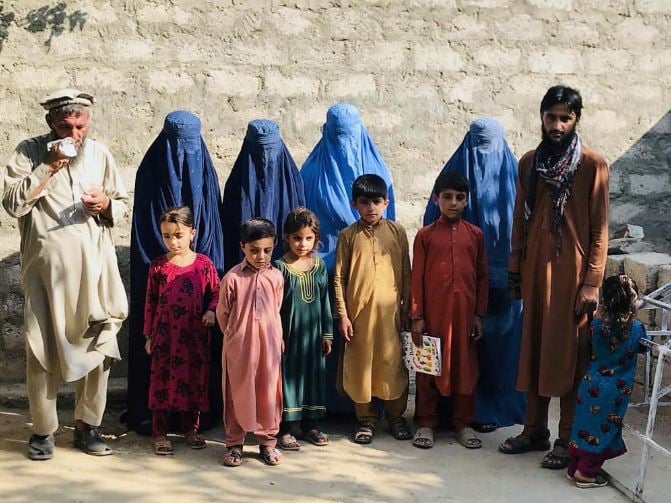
(587, 300)
(95, 201)
(476, 331)
(56, 160)
(208, 319)
(417, 329)
(346, 329)
(327, 344)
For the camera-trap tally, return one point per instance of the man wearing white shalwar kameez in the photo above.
(74, 298)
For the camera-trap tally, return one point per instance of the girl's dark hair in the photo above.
(562, 95)
(177, 215)
(450, 180)
(255, 229)
(619, 294)
(369, 186)
(301, 217)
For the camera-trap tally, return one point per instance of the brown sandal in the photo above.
(270, 455)
(163, 447)
(194, 440)
(233, 456)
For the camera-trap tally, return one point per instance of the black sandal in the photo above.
(365, 431)
(524, 443)
(555, 461)
(485, 427)
(399, 428)
(91, 443)
(40, 448)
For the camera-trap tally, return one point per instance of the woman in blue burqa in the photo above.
(175, 171)
(344, 152)
(490, 167)
(264, 183)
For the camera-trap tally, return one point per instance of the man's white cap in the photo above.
(64, 97)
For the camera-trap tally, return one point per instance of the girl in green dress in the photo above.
(308, 332)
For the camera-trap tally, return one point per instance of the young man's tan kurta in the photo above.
(75, 301)
(550, 284)
(372, 288)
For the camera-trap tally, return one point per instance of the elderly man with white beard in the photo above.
(67, 193)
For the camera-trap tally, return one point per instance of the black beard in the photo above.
(554, 147)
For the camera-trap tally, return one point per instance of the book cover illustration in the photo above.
(425, 359)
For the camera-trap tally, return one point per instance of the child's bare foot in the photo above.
(163, 446)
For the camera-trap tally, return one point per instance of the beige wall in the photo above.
(419, 71)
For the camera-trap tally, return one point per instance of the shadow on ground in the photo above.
(387, 470)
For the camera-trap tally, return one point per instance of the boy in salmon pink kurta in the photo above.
(449, 296)
(248, 312)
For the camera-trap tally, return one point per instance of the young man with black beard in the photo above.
(557, 261)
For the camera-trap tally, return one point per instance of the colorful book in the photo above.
(426, 359)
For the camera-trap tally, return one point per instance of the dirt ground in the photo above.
(387, 470)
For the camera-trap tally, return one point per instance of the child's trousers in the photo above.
(160, 421)
(588, 464)
(426, 404)
(392, 408)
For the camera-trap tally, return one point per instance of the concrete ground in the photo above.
(387, 470)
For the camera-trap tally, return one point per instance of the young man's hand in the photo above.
(208, 319)
(417, 329)
(476, 332)
(346, 329)
(515, 285)
(587, 300)
(327, 344)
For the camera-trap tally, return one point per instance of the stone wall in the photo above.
(419, 71)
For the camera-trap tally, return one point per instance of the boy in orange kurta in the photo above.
(449, 296)
(372, 290)
(248, 312)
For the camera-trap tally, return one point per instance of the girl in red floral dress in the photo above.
(182, 295)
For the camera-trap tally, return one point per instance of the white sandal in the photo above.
(423, 438)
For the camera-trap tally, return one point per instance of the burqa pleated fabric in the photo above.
(344, 152)
(490, 167)
(264, 183)
(176, 171)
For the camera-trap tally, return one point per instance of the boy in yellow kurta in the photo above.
(372, 292)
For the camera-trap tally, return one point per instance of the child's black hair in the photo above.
(450, 180)
(255, 229)
(619, 294)
(301, 217)
(177, 215)
(370, 187)
(562, 95)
